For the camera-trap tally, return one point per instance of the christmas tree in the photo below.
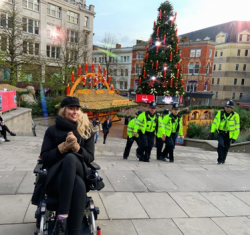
(161, 72)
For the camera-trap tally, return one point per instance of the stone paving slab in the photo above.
(30, 213)
(160, 205)
(10, 181)
(195, 205)
(18, 229)
(243, 196)
(229, 204)
(27, 184)
(234, 225)
(122, 206)
(13, 208)
(115, 227)
(192, 184)
(125, 181)
(156, 181)
(156, 226)
(198, 226)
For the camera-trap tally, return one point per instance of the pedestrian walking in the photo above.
(145, 127)
(170, 136)
(160, 130)
(106, 126)
(227, 124)
(96, 127)
(130, 137)
(4, 129)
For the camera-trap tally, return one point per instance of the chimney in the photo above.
(118, 46)
(138, 41)
(95, 47)
(184, 39)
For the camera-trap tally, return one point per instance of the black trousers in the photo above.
(169, 146)
(129, 144)
(223, 146)
(71, 190)
(4, 131)
(105, 134)
(159, 146)
(146, 143)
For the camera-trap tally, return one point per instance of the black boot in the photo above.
(6, 140)
(12, 134)
(60, 227)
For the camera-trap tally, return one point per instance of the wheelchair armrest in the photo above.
(38, 168)
(94, 166)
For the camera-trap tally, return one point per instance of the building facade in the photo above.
(197, 62)
(117, 61)
(47, 22)
(231, 66)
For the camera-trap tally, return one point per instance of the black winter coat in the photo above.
(106, 126)
(55, 135)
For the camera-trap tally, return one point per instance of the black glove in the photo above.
(212, 136)
(233, 141)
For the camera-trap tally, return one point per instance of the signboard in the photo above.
(144, 98)
(245, 105)
(7, 100)
(167, 99)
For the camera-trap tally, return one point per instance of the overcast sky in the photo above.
(129, 20)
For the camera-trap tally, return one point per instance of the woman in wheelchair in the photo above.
(67, 149)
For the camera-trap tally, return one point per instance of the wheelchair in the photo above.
(46, 212)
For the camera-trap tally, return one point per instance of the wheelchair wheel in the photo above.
(41, 232)
(92, 226)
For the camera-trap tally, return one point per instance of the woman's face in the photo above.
(72, 113)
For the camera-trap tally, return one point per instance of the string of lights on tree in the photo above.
(161, 71)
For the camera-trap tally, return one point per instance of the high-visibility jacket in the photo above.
(159, 128)
(229, 124)
(145, 122)
(130, 128)
(166, 127)
(177, 126)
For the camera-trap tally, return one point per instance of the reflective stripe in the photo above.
(215, 118)
(232, 125)
(214, 122)
(237, 128)
(237, 123)
(139, 121)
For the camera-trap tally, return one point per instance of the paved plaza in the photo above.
(192, 196)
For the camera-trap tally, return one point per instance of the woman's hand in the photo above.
(71, 138)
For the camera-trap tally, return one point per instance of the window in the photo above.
(233, 95)
(121, 85)
(3, 43)
(242, 81)
(216, 95)
(221, 53)
(126, 72)
(122, 72)
(195, 53)
(248, 37)
(240, 38)
(240, 95)
(53, 52)
(190, 68)
(95, 60)
(246, 52)
(207, 69)
(138, 69)
(85, 39)
(235, 81)
(4, 20)
(31, 4)
(72, 17)
(53, 31)
(100, 59)
(30, 26)
(214, 67)
(54, 11)
(71, 55)
(218, 81)
(30, 48)
(139, 55)
(237, 67)
(238, 52)
(244, 67)
(212, 80)
(215, 55)
(72, 36)
(210, 53)
(115, 72)
(219, 67)
(196, 68)
(128, 58)
(86, 21)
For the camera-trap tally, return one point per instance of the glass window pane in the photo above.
(48, 51)
(30, 48)
(36, 48)
(30, 26)
(25, 47)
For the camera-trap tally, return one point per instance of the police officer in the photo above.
(130, 136)
(145, 124)
(227, 124)
(159, 133)
(173, 129)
